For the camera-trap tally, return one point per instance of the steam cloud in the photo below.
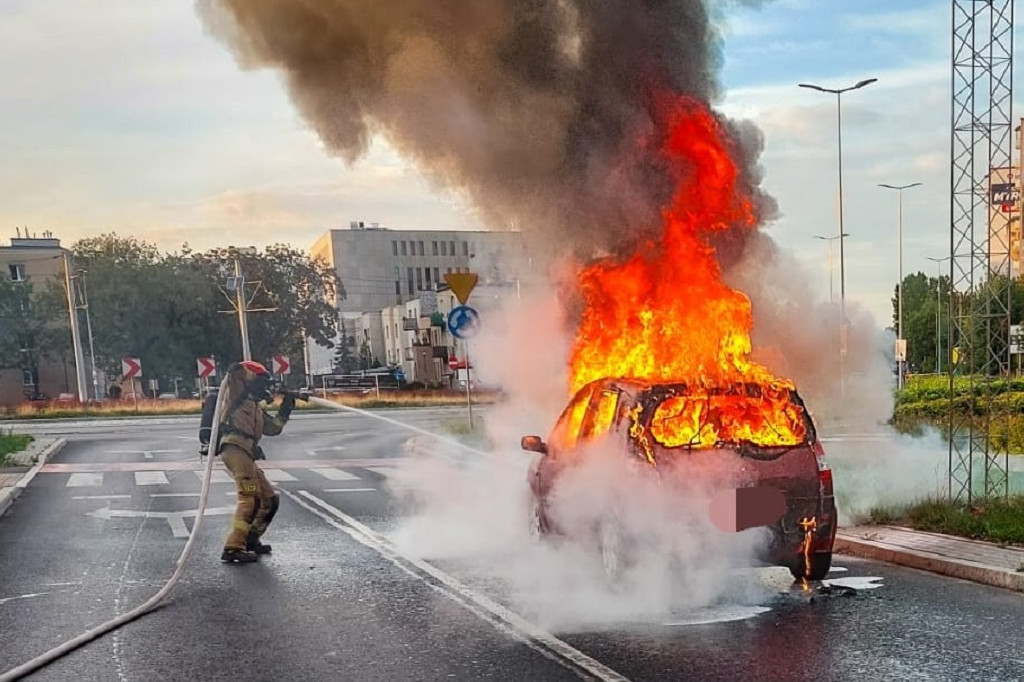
(537, 110)
(533, 108)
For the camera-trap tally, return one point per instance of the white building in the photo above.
(394, 283)
(380, 267)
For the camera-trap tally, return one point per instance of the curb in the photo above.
(955, 568)
(11, 493)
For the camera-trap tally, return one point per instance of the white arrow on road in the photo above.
(176, 520)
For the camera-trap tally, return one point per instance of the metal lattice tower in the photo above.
(979, 246)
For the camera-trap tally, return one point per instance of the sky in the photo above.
(134, 120)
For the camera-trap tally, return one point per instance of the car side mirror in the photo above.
(534, 444)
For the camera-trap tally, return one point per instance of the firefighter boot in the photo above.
(238, 556)
(253, 544)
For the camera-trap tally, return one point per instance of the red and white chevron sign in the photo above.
(131, 367)
(205, 367)
(279, 365)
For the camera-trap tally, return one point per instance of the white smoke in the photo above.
(476, 515)
(796, 336)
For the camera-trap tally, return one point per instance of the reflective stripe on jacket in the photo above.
(247, 423)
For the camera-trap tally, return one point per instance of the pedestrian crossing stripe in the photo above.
(150, 478)
(84, 480)
(220, 476)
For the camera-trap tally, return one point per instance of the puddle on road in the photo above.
(782, 585)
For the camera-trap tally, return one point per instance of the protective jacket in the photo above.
(246, 422)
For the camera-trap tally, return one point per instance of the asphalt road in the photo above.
(395, 559)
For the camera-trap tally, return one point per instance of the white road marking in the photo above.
(350, 490)
(4, 600)
(722, 613)
(483, 607)
(175, 494)
(101, 497)
(335, 474)
(855, 582)
(146, 454)
(217, 476)
(387, 472)
(151, 478)
(176, 520)
(278, 475)
(83, 480)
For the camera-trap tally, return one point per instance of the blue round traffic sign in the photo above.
(463, 322)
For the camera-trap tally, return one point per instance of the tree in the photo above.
(31, 327)
(298, 293)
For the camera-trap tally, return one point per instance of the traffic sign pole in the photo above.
(469, 392)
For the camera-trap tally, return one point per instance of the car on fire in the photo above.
(657, 424)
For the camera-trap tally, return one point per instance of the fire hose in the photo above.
(156, 600)
(150, 604)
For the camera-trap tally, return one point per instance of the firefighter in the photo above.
(244, 422)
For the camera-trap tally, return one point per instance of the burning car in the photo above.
(659, 425)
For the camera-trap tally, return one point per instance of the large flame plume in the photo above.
(664, 315)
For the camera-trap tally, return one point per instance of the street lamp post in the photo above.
(901, 362)
(938, 311)
(842, 254)
(830, 240)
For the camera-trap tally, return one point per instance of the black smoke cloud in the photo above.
(535, 109)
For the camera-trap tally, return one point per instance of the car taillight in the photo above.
(825, 481)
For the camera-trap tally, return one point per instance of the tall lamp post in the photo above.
(830, 240)
(842, 255)
(901, 359)
(938, 311)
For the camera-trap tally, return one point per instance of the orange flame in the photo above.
(663, 314)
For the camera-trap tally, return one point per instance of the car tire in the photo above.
(821, 563)
(535, 526)
(611, 550)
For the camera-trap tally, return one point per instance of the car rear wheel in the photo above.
(536, 530)
(820, 562)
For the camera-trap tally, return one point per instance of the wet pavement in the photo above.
(344, 596)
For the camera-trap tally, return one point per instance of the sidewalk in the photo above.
(28, 463)
(980, 562)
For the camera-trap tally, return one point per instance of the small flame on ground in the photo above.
(809, 525)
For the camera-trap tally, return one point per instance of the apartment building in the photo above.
(34, 261)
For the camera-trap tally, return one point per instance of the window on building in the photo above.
(451, 247)
(444, 248)
(387, 333)
(398, 288)
(419, 248)
(412, 248)
(419, 279)
(437, 275)
(408, 276)
(434, 247)
(27, 378)
(17, 271)
(426, 277)
(465, 248)
(394, 247)
(403, 249)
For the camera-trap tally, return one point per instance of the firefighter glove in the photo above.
(287, 405)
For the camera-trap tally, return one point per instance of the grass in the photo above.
(990, 520)
(127, 408)
(11, 443)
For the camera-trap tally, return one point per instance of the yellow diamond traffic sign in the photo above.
(462, 284)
